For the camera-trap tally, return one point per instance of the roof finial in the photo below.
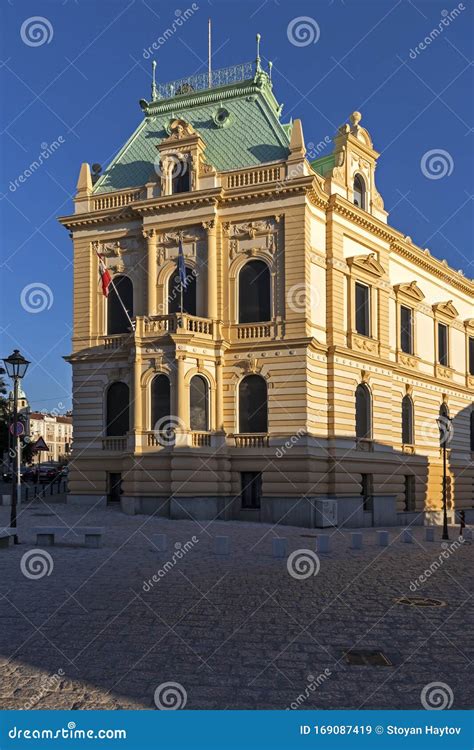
(270, 67)
(154, 90)
(257, 61)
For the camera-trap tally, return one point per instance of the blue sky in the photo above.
(80, 87)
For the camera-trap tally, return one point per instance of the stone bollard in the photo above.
(279, 545)
(160, 541)
(382, 538)
(221, 545)
(323, 543)
(430, 534)
(407, 536)
(356, 540)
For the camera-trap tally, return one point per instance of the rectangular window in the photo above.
(471, 355)
(406, 329)
(443, 344)
(367, 490)
(114, 488)
(409, 493)
(362, 309)
(251, 489)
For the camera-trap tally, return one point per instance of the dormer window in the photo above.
(359, 192)
(180, 176)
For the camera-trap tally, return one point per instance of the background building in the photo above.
(318, 345)
(56, 432)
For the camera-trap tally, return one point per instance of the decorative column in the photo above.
(137, 397)
(151, 237)
(219, 396)
(182, 410)
(210, 227)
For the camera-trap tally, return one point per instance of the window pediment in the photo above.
(411, 290)
(446, 308)
(367, 263)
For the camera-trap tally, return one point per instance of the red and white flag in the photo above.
(105, 276)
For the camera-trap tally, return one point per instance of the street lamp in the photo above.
(445, 426)
(16, 366)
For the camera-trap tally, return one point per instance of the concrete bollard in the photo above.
(323, 543)
(430, 534)
(279, 546)
(356, 540)
(382, 538)
(161, 542)
(221, 545)
(407, 536)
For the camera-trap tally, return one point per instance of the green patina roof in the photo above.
(253, 134)
(323, 165)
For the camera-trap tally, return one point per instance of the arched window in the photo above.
(199, 403)
(407, 420)
(180, 176)
(189, 293)
(253, 404)
(359, 191)
(472, 430)
(160, 402)
(363, 412)
(118, 409)
(117, 321)
(254, 292)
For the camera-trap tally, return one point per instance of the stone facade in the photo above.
(321, 231)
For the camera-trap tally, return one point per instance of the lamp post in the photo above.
(445, 433)
(16, 366)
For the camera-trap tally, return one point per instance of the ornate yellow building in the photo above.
(316, 344)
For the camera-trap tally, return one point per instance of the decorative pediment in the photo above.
(446, 308)
(367, 263)
(469, 323)
(179, 129)
(411, 290)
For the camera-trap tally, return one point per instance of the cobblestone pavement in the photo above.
(235, 632)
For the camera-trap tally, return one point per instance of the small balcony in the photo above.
(252, 440)
(176, 323)
(114, 443)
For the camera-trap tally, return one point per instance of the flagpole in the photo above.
(209, 52)
(111, 282)
(132, 324)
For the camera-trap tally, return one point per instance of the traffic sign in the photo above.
(17, 429)
(40, 445)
